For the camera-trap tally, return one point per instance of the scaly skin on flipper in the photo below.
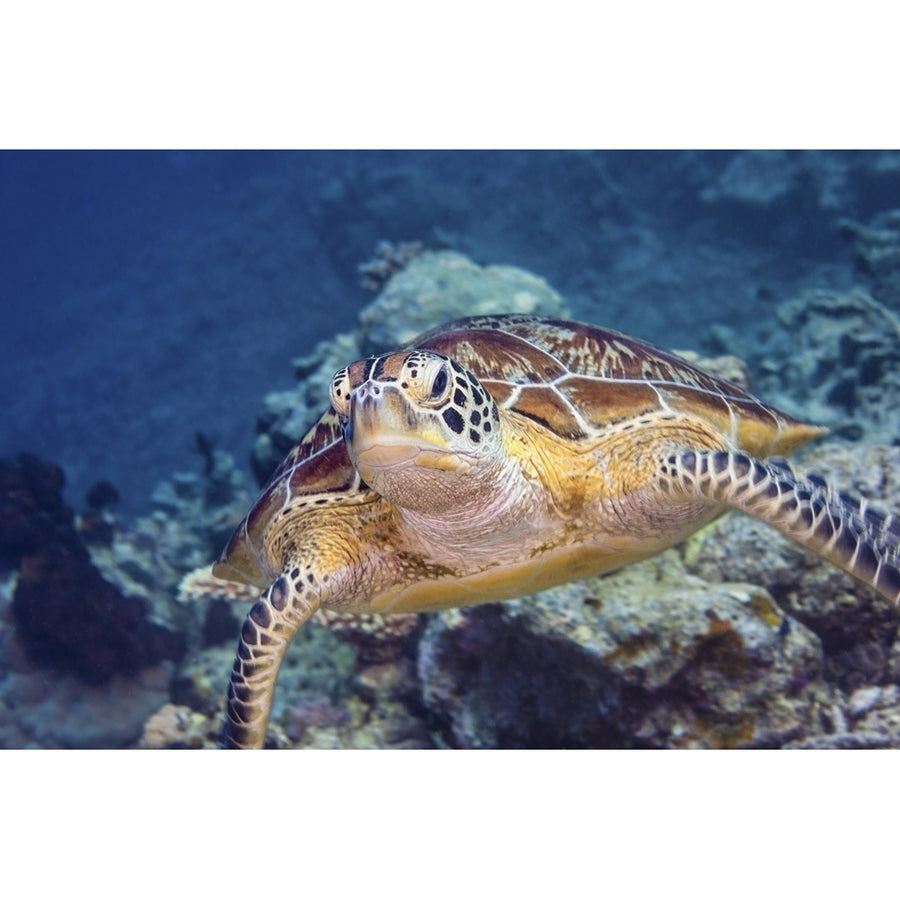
(319, 567)
(267, 631)
(843, 529)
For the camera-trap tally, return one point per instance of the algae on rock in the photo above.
(646, 657)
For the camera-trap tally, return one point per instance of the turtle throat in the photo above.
(485, 516)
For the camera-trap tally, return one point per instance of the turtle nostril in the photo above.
(365, 401)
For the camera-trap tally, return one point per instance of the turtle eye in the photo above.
(426, 376)
(439, 385)
(340, 393)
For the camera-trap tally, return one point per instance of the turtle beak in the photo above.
(384, 432)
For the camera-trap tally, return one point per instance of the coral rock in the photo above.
(178, 728)
(647, 657)
(69, 618)
(32, 513)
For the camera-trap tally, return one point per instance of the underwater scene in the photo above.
(175, 323)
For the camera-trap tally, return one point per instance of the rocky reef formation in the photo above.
(830, 357)
(877, 250)
(67, 616)
(844, 368)
(70, 619)
(70, 631)
(647, 657)
(857, 628)
(814, 180)
(95, 630)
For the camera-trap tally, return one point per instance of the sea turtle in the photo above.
(498, 455)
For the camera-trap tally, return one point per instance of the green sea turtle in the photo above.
(499, 455)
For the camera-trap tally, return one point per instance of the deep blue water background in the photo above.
(148, 295)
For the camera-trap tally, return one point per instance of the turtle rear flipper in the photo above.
(842, 529)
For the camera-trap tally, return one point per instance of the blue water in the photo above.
(149, 295)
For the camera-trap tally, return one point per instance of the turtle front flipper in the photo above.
(843, 529)
(266, 633)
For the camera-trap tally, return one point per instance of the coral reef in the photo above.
(877, 251)
(647, 657)
(67, 616)
(41, 710)
(774, 179)
(834, 360)
(389, 259)
(843, 368)
(755, 177)
(438, 286)
(192, 517)
(316, 712)
(174, 727)
(94, 627)
(32, 514)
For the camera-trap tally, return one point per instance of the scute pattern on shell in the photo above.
(574, 378)
(318, 466)
(525, 349)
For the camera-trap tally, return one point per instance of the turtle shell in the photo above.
(570, 378)
(576, 379)
(317, 471)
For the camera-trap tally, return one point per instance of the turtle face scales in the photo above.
(416, 426)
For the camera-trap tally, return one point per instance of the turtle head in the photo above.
(418, 427)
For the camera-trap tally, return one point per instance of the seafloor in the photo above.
(130, 451)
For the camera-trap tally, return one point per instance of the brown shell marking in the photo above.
(576, 379)
(316, 471)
